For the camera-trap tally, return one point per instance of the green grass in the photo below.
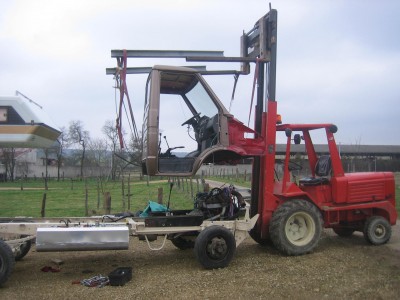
(67, 199)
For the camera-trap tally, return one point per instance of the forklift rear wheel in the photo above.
(214, 247)
(296, 227)
(377, 230)
(7, 262)
(255, 235)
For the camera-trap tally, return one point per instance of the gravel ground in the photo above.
(339, 268)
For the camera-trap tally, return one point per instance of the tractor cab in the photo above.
(180, 109)
(186, 125)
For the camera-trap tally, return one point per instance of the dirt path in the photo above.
(339, 268)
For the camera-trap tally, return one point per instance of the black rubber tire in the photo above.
(215, 247)
(182, 243)
(343, 231)
(377, 230)
(24, 249)
(256, 237)
(302, 220)
(7, 262)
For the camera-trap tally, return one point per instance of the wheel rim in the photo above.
(217, 248)
(380, 231)
(300, 229)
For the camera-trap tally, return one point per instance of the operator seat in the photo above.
(323, 169)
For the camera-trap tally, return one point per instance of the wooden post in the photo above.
(123, 192)
(107, 203)
(191, 187)
(160, 195)
(98, 194)
(22, 185)
(86, 199)
(43, 210)
(198, 186)
(129, 191)
(187, 185)
(206, 187)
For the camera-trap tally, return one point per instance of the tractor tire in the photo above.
(343, 231)
(256, 237)
(295, 227)
(214, 247)
(7, 262)
(23, 249)
(377, 230)
(182, 243)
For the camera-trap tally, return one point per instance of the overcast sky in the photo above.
(338, 61)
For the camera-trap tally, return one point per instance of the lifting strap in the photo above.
(254, 87)
(122, 65)
(236, 77)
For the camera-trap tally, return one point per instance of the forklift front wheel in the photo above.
(296, 227)
(7, 262)
(214, 247)
(377, 230)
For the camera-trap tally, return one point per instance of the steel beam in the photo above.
(224, 59)
(165, 53)
(146, 70)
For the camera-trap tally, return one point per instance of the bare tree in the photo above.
(110, 131)
(136, 149)
(77, 135)
(63, 143)
(8, 159)
(98, 156)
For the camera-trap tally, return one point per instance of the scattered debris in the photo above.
(57, 261)
(120, 276)
(95, 281)
(50, 269)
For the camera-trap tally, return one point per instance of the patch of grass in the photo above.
(66, 198)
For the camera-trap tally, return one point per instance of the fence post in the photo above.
(86, 199)
(107, 203)
(43, 210)
(160, 195)
(98, 193)
(123, 193)
(191, 187)
(129, 191)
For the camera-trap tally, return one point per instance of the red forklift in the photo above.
(292, 213)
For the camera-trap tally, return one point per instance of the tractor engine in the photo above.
(219, 203)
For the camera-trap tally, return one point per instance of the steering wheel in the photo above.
(191, 120)
(293, 166)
